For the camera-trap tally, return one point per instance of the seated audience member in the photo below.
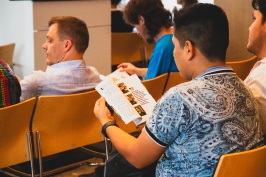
(256, 80)
(9, 85)
(153, 23)
(186, 3)
(195, 122)
(66, 41)
(117, 22)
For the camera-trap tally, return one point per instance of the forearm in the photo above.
(135, 150)
(29, 88)
(123, 142)
(141, 72)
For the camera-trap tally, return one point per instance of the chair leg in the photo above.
(38, 137)
(29, 142)
(107, 155)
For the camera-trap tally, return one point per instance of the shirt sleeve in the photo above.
(29, 87)
(165, 124)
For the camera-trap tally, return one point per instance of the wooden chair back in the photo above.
(174, 79)
(126, 47)
(65, 122)
(242, 68)
(156, 86)
(14, 133)
(6, 53)
(243, 164)
(130, 127)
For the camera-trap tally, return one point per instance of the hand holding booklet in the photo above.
(127, 96)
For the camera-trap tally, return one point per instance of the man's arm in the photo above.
(131, 69)
(29, 87)
(139, 152)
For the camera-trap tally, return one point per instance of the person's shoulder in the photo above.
(33, 76)
(176, 90)
(165, 41)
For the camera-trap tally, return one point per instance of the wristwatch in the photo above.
(107, 124)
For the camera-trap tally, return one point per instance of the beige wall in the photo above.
(96, 14)
(239, 13)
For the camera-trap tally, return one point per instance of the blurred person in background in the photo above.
(9, 85)
(153, 23)
(117, 22)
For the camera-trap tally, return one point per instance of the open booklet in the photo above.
(127, 96)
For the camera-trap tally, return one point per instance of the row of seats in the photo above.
(35, 129)
(56, 124)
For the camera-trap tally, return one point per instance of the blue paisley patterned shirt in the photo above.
(200, 120)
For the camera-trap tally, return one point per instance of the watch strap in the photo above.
(107, 124)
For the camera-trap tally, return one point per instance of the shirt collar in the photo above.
(214, 70)
(66, 64)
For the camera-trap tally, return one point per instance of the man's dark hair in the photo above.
(74, 29)
(260, 5)
(154, 13)
(115, 2)
(205, 26)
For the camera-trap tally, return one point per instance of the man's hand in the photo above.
(128, 67)
(101, 112)
(131, 69)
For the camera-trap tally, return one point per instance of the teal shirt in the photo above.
(162, 60)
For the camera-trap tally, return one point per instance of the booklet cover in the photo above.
(127, 96)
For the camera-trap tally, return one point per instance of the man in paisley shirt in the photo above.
(195, 122)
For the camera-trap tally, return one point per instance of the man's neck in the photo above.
(163, 31)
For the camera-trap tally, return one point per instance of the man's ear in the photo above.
(141, 20)
(190, 50)
(68, 45)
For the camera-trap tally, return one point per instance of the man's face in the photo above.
(257, 34)
(143, 32)
(53, 46)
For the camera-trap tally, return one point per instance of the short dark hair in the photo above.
(260, 5)
(115, 2)
(205, 26)
(153, 11)
(74, 29)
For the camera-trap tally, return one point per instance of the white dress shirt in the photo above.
(256, 81)
(61, 78)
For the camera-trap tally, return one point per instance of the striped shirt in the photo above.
(10, 87)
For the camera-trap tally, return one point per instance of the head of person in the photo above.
(185, 3)
(203, 27)
(257, 30)
(67, 39)
(148, 17)
(115, 2)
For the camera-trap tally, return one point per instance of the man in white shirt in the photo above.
(256, 80)
(66, 42)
